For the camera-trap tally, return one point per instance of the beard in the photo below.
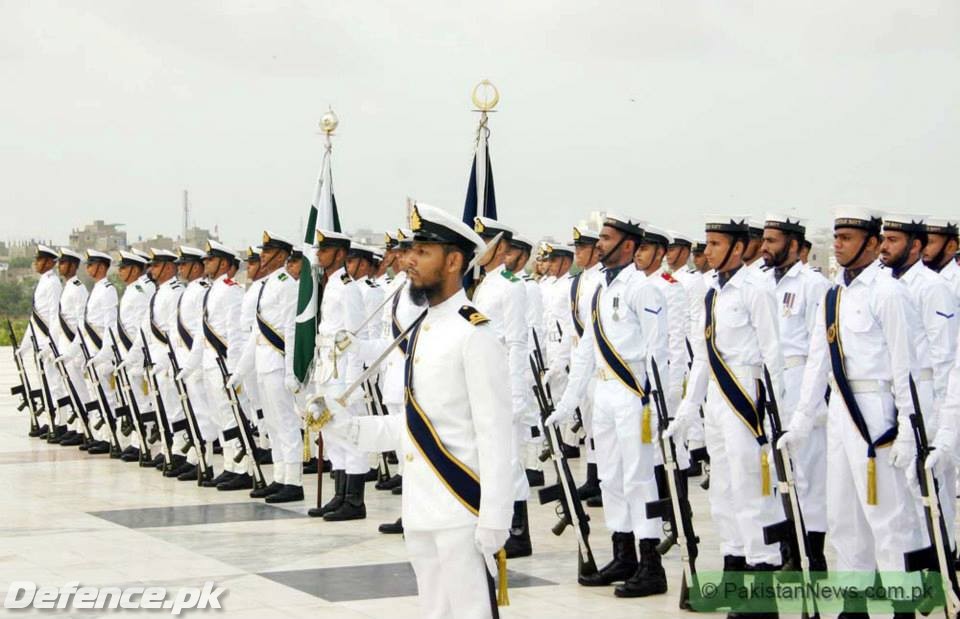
(421, 295)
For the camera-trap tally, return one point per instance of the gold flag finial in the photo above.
(329, 122)
(485, 96)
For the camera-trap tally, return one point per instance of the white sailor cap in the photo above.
(98, 256)
(162, 255)
(556, 250)
(278, 242)
(904, 222)
(521, 242)
(389, 240)
(359, 250)
(945, 227)
(628, 225)
(755, 227)
(216, 249)
(185, 253)
(849, 216)
(679, 238)
(47, 252)
(329, 238)
(132, 258)
(698, 247)
(583, 235)
(252, 253)
(404, 237)
(728, 224)
(430, 224)
(68, 254)
(655, 235)
(489, 228)
(785, 223)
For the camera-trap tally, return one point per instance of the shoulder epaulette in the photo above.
(372, 283)
(109, 284)
(345, 278)
(176, 284)
(138, 287)
(230, 282)
(509, 276)
(204, 283)
(669, 278)
(282, 277)
(471, 315)
(76, 282)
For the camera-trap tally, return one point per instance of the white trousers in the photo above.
(867, 537)
(521, 487)
(75, 372)
(343, 455)
(283, 424)
(452, 578)
(737, 504)
(221, 414)
(809, 458)
(624, 464)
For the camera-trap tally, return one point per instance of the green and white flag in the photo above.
(323, 214)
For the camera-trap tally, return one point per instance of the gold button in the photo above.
(416, 359)
(409, 457)
(426, 327)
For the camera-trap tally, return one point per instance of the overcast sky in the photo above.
(663, 110)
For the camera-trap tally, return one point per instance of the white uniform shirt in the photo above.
(340, 309)
(678, 326)
(534, 310)
(100, 313)
(133, 307)
(46, 297)
(189, 316)
(951, 273)
(221, 310)
(799, 295)
(747, 335)
(69, 312)
(372, 296)
(589, 281)
(276, 305)
(459, 371)
(876, 346)
(248, 309)
(500, 297)
(161, 315)
(633, 314)
(695, 286)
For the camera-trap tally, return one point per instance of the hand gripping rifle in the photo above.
(792, 530)
(80, 407)
(162, 420)
(48, 403)
(28, 397)
(675, 508)
(538, 357)
(106, 411)
(189, 425)
(937, 556)
(128, 402)
(243, 430)
(569, 508)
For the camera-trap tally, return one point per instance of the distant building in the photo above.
(821, 252)
(100, 236)
(159, 242)
(198, 237)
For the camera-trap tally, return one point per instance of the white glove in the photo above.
(799, 429)
(185, 373)
(902, 453)
(344, 339)
(123, 365)
(490, 541)
(46, 356)
(553, 373)
(234, 381)
(61, 359)
(291, 383)
(560, 414)
(938, 460)
(678, 428)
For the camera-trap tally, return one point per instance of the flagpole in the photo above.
(485, 97)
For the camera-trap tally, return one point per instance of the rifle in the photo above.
(792, 530)
(45, 386)
(538, 356)
(162, 422)
(243, 431)
(28, 396)
(103, 403)
(80, 407)
(189, 425)
(937, 556)
(128, 402)
(675, 508)
(569, 508)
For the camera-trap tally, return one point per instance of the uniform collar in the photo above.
(913, 272)
(735, 281)
(625, 274)
(337, 274)
(453, 304)
(51, 273)
(950, 270)
(70, 280)
(865, 277)
(496, 271)
(793, 271)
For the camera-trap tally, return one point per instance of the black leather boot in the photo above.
(389, 484)
(818, 562)
(72, 439)
(287, 494)
(339, 492)
(621, 567)
(352, 507)
(518, 544)
(57, 435)
(392, 528)
(99, 447)
(225, 476)
(271, 488)
(534, 477)
(649, 579)
(591, 487)
(310, 467)
(130, 454)
(237, 482)
(188, 472)
(763, 577)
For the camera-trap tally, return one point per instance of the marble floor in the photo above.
(68, 516)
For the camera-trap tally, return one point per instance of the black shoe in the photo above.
(99, 447)
(158, 462)
(705, 484)
(130, 454)
(340, 488)
(392, 457)
(57, 434)
(38, 432)
(219, 479)
(570, 451)
(176, 471)
(371, 475)
(353, 507)
(763, 580)
(621, 567)
(327, 466)
(204, 480)
(595, 501)
(310, 467)
(389, 484)
(534, 477)
(287, 494)
(649, 579)
(189, 472)
(217, 448)
(391, 528)
(591, 487)
(518, 544)
(73, 440)
(818, 561)
(260, 493)
(115, 452)
(397, 491)
(264, 456)
(237, 482)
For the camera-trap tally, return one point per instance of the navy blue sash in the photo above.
(41, 324)
(185, 336)
(209, 334)
(614, 361)
(574, 301)
(64, 325)
(266, 329)
(124, 338)
(92, 333)
(154, 328)
(832, 315)
(733, 392)
(455, 475)
(395, 327)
